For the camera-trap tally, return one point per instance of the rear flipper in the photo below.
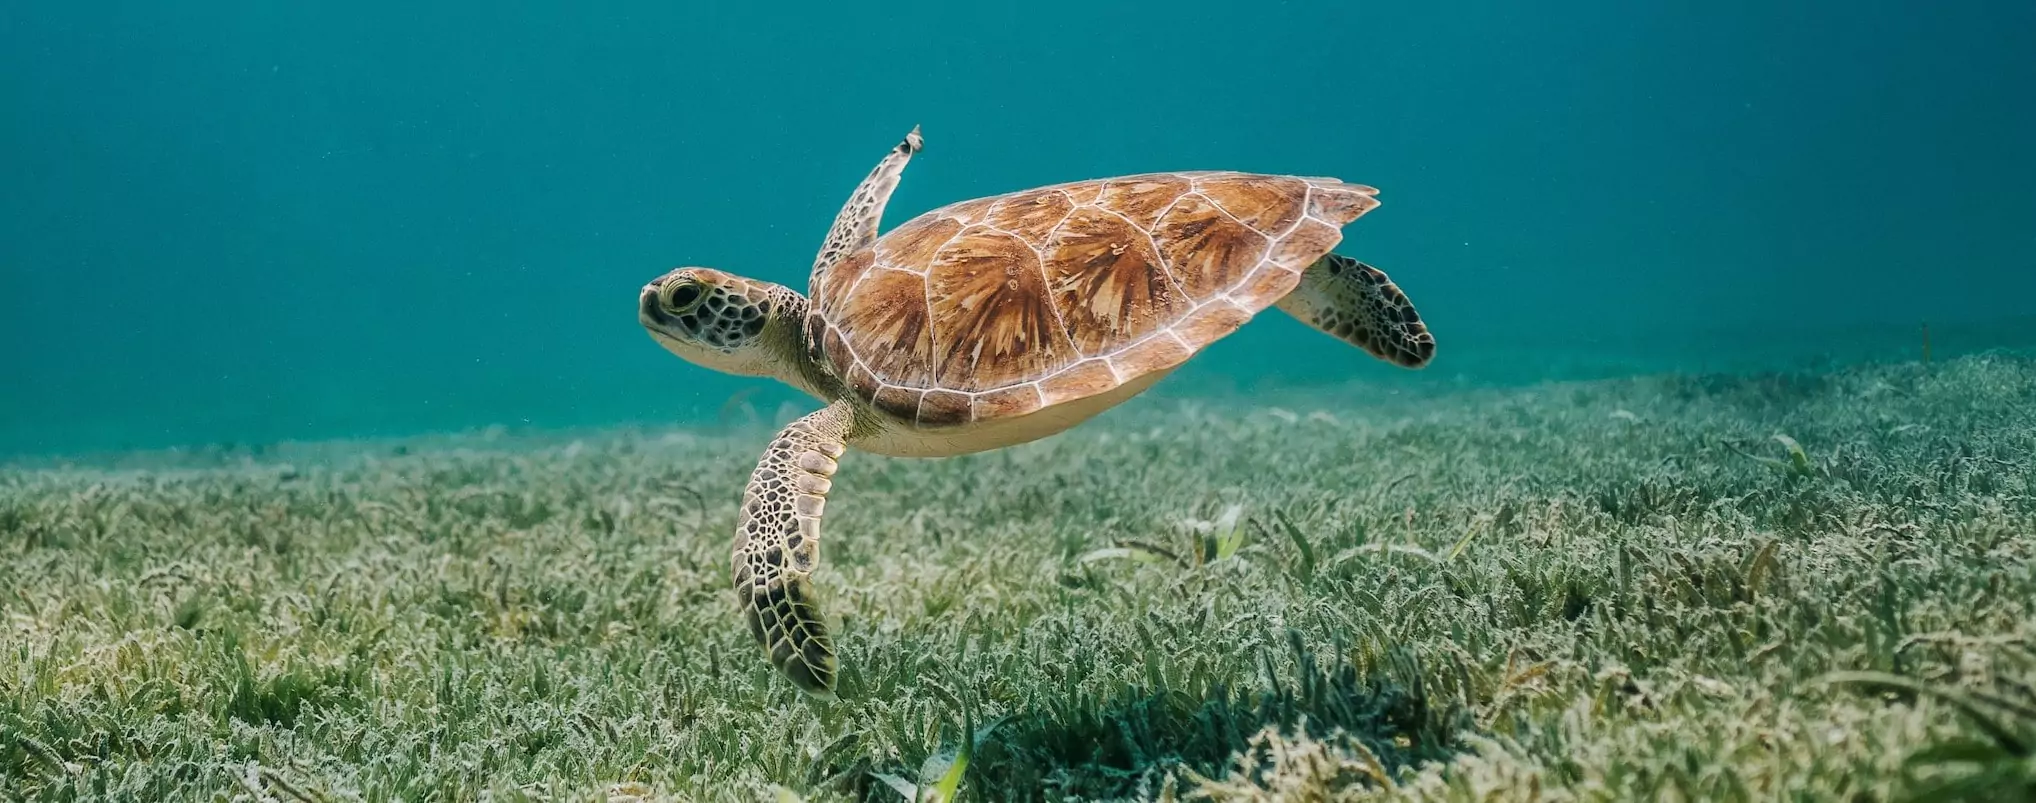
(1357, 304)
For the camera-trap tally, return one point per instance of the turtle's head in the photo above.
(725, 322)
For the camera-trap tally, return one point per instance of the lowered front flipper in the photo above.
(777, 546)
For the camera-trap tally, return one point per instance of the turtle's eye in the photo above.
(684, 296)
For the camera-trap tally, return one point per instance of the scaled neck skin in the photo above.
(786, 342)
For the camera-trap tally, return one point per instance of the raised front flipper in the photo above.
(1357, 304)
(777, 547)
(856, 224)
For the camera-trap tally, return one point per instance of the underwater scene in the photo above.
(1296, 401)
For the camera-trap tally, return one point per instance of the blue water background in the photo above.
(245, 222)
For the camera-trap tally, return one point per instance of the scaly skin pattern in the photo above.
(1356, 303)
(777, 546)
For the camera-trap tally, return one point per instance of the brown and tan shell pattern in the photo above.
(1000, 306)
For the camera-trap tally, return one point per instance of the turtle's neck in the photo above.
(796, 365)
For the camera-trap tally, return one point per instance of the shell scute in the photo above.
(1142, 199)
(1077, 380)
(1340, 202)
(889, 309)
(1212, 320)
(1272, 278)
(846, 272)
(915, 243)
(996, 323)
(898, 402)
(864, 383)
(1207, 250)
(1157, 353)
(1009, 402)
(1032, 216)
(1309, 240)
(1270, 206)
(944, 408)
(1108, 282)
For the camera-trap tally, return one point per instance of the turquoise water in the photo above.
(248, 222)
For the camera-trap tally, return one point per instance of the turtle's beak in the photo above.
(648, 311)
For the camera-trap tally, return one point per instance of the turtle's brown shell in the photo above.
(1000, 306)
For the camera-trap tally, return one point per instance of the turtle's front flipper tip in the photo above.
(818, 685)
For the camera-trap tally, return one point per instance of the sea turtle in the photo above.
(997, 321)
